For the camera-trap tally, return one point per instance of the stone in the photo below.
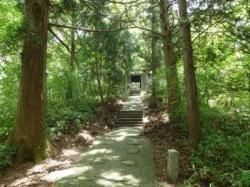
(128, 162)
(84, 137)
(173, 165)
(133, 151)
(98, 161)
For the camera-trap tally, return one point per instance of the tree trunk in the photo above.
(173, 90)
(98, 60)
(29, 131)
(71, 82)
(195, 131)
(153, 98)
(98, 78)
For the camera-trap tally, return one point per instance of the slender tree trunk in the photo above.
(98, 78)
(71, 82)
(195, 132)
(126, 82)
(110, 84)
(29, 131)
(153, 98)
(98, 65)
(173, 90)
(72, 52)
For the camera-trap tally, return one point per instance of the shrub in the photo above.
(61, 116)
(224, 153)
(6, 156)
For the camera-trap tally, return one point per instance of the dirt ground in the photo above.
(67, 147)
(164, 136)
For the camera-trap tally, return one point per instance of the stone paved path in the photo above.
(121, 158)
(133, 102)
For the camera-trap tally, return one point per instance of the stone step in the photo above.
(129, 112)
(129, 119)
(128, 125)
(129, 122)
(129, 115)
(134, 92)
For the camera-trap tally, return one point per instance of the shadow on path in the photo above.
(118, 159)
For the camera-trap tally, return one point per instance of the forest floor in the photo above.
(67, 148)
(164, 135)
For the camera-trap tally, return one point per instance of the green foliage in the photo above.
(10, 27)
(161, 86)
(223, 156)
(6, 156)
(220, 30)
(76, 111)
(8, 97)
(10, 24)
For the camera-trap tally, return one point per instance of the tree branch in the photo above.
(59, 39)
(84, 29)
(99, 31)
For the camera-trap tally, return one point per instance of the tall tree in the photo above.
(154, 64)
(98, 58)
(195, 132)
(29, 131)
(173, 90)
(71, 83)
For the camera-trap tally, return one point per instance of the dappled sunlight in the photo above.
(166, 184)
(133, 103)
(103, 158)
(123, 135)
(119, 136)
(118, 177)
(25, 181)
(96, 142)
(97, 93)
(113, 160)
(165, 118)
(70, 152)
(105, 182)
(97, 151)
(146, 119)
(49, 171)
(120, 102)
(60, 174)
(84, 137)
(49, 163)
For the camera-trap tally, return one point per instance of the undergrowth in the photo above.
(6, 156)
(61, 117)
(224, 153)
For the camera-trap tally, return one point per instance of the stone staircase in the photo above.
(134, 92)
(129, 118)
